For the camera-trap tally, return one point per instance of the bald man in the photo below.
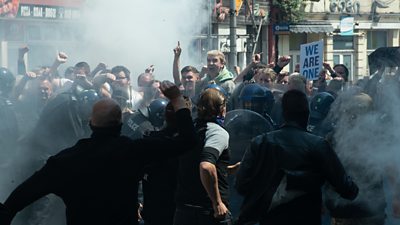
(97, 178)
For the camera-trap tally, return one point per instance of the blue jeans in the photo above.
(196, 215)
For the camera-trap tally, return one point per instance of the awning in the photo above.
(311, 27)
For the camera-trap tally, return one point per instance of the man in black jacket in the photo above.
(282, 172)
(98, 177)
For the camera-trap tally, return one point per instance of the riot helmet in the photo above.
(217, 87)
(320, 105)
(256, 98)
(80, 85)
(86, 99)
(156, 112)
(7, 81)
(122, 96)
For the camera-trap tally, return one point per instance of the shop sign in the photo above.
(48, 12)
(347, 26)
(281, 28)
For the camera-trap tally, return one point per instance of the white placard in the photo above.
(311, 59)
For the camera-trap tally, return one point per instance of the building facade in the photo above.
(374, 23)
(46, 26)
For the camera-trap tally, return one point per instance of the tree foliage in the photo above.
(289, 11)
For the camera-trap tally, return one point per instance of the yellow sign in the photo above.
(239, 4)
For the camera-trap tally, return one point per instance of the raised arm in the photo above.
(21, 60)
(186, 139)
(18, 89)
(282, 62)
(176, 64)
(61, 58)
(256, 60)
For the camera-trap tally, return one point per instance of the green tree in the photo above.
(289, 11)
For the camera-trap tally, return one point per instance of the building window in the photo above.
(297, 39)
(343, 42)
(376, 39)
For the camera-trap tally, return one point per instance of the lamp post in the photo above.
(232, 36)
(272, 39)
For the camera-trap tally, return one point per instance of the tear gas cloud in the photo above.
(137, 34)
(367, 140)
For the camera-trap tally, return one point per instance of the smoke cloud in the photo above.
(135, 34)
(141, 33)
(367, 141)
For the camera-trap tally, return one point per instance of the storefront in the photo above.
(45, 26)
(375, 25)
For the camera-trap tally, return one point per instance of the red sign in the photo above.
(9, 8)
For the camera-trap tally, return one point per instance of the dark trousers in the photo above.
(196, 215)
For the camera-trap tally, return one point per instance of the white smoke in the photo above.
(367, 142)
(137, 34)
(132, 33)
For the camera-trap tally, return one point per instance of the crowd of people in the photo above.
(256, 145)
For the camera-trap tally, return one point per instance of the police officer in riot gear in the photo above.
(9, 127)
(320, 105)
(156, 112)
(7, 81)
(243, 124)
(259, 99)
(217, 87)
(159, 206)
(144, 120)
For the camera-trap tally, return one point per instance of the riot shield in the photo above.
(242, 126)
